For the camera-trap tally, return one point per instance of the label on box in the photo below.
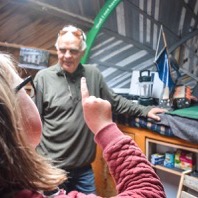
(169, 160)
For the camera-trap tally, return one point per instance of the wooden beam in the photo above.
(17, 46)
(52, 10)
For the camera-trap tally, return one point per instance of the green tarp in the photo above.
(190, 112)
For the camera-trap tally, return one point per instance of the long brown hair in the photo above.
(20, 165)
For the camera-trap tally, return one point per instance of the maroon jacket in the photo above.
(134, 178)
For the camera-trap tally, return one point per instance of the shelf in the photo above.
(148, 140)
(175, 171)
(151, 142)
(151, 147)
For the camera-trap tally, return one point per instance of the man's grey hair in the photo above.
(83, 37)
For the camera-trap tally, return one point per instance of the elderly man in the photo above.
(65, 135)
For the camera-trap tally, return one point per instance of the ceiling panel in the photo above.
(128, 40)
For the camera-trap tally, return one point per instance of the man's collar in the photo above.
(79, 72)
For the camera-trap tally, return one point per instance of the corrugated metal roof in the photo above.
(127, 41)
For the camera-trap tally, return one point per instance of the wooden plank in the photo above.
(55, 11)
(187, 195)
(191, 182)
(172, 145)
(179, 191)
(13, 45)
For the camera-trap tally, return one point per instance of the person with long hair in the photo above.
(20, 129)
(26, 174)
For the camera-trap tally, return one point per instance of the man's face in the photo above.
(69, 51)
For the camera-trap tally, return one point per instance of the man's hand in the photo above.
(153, 113)
(97, 112)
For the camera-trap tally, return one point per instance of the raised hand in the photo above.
(97, 112)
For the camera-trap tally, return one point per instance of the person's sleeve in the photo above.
(132, 172)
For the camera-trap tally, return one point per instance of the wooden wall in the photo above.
(24, 72)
